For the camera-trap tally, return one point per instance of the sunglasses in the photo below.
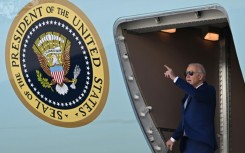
(190, 73)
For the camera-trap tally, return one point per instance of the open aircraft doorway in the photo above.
(143, 51)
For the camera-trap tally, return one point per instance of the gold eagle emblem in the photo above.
(53, 53)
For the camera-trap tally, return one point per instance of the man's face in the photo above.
(193, 75)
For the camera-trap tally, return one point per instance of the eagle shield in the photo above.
(53, 52)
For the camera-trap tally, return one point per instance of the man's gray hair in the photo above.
(201, 67)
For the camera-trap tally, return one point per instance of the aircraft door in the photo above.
(149, 53)
(143, 51)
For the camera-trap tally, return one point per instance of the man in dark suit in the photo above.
(196, 129)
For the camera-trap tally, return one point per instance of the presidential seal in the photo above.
(57, 64)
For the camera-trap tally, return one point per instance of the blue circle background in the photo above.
(76, 58)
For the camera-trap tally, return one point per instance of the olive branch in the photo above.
(44, 81)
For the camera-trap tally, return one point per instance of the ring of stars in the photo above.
(86, 57)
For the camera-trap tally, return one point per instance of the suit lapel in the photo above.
(188, 102)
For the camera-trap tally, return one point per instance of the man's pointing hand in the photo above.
(169, 73)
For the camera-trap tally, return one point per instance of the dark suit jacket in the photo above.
(198, 117)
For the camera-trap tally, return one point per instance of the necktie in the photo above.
(185, 104)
